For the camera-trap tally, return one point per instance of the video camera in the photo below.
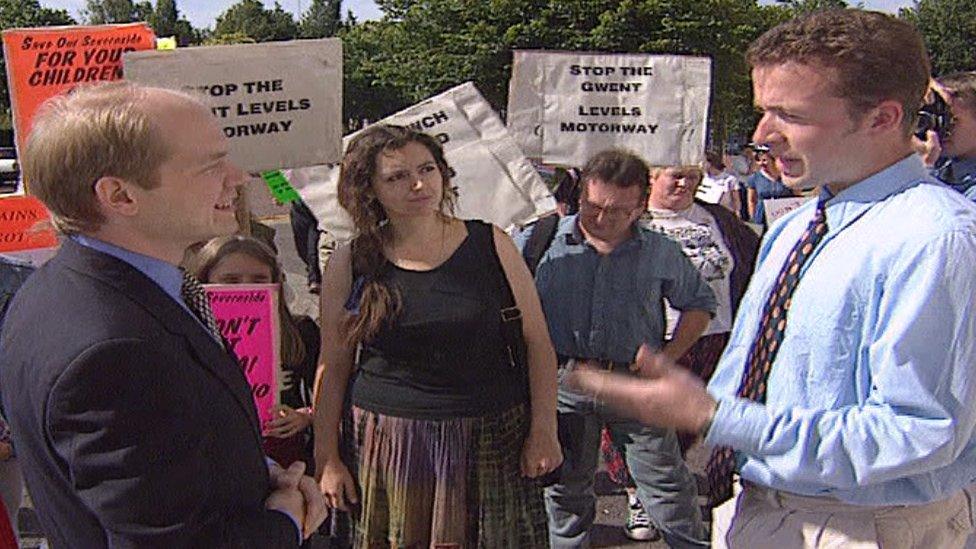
(936, 116)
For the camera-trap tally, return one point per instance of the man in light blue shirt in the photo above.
(602, 283)
(865, 434)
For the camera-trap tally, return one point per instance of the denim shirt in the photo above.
(872, 396)
(605, 306)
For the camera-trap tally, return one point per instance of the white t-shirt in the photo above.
(698, 234)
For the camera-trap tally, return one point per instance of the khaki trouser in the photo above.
(764, 518)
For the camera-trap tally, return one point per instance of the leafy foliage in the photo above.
(251, 19)
(322, 19)
(949, 29)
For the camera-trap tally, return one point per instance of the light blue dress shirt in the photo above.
(872, 396)
(605, 306)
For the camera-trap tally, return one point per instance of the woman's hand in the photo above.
(287, 422)
(337, 485)
(541, 453)
(6, 451)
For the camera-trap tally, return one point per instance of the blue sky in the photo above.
(203, 12)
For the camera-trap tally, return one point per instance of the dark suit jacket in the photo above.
(134, 428)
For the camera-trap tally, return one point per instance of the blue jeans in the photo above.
(665, 486)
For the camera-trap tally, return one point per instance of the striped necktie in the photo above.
(768, 339)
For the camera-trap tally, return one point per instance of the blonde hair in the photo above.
(95, 131)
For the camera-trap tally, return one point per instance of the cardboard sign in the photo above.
(778, 207)
(565, 107)
(495, 181)
(279, 103)
(48, 61)
(25, 225)
(247, 315)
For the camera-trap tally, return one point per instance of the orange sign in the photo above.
(47, 61)
(25, 225)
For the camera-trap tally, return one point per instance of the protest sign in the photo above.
(47, 61)
(709, 191)
(495, 181)
(25, 225)
(564, 107)
(279, 103)
(247, 315)
(778, 207)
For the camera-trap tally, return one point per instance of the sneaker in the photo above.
(639, 527)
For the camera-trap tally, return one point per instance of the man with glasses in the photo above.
(602, 283)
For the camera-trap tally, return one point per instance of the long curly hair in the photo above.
(378, 301)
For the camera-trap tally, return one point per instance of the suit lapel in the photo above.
(174, 318)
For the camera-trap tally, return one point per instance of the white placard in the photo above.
(280, 103)
(778, 207)
(495, 181)
(564, 107)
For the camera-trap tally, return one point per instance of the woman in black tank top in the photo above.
(448, 436)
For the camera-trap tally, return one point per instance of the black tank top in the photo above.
(443, 356)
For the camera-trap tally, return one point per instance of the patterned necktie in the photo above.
(196, 300)
(764, 348)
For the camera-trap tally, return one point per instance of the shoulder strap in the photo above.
(539, 241)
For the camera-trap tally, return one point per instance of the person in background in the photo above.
(957, 165)
(723, 249)
(306, 233)
(11, 488)
(450, 429)
(764, 184)
(245, 260)
(719, 181)
(742, 165)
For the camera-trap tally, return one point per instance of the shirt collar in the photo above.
(849, 204)
(166, 275)
(895, 178)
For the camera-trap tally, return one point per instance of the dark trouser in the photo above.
(305, 230)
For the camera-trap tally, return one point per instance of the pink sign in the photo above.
(247, 315)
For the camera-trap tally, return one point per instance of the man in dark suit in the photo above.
(134, 425)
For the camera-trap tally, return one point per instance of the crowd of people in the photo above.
(461, 384)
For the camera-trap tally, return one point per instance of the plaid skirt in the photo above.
(446, 483)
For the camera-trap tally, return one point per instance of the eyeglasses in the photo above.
(612, 212)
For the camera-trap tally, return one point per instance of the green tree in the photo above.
(99, 12)
(445, 42)
(250, 18)
(799, 7)
(165, 20)
(949, 30)
(321, 20)
(24, 14)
